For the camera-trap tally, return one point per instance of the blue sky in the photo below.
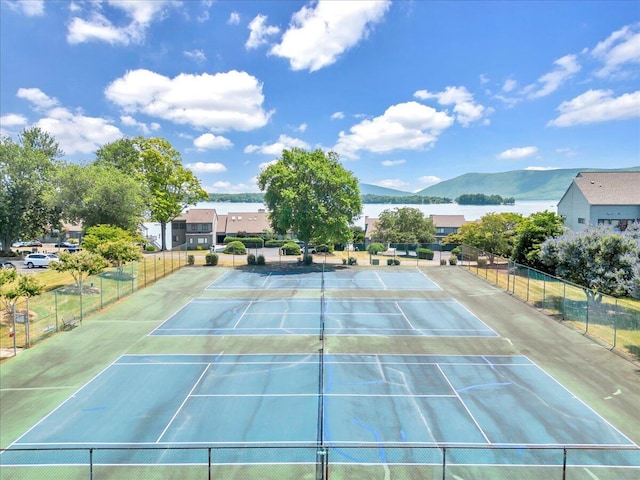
(409, 93)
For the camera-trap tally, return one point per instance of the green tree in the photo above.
(122, 154)
(311, 195)
(531, 233)
(494, 234)
(171, 187)
(404, 225)
(94, 195)
(100, 234)
(26, 171)
(80, 265)
(597, 258)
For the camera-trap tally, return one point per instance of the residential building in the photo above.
(195, 227)
(445, 224)
(601, 198)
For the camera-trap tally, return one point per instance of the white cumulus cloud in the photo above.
(259, 32)
(517, 153)
(408, 126)
(320, 32)
(620, 48)
(465, 107)
(596, 106)
(206, 167)
(224, 101)
(284, 142)
(209, 141)
(566, 67)
(30, 8)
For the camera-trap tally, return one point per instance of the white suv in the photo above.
(39, 260)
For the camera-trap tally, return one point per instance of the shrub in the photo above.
(425, 253)
(198, 247)
(150, 248)
(443, 261)
(396, 261)
(251, 259)
(274, 243)
(344, 261)
(482, 262)
(453, 260)
(248, 242)
(211, 259)
(235, 248)
(353, 261)
(260, 260)
(291, 248)
(376, 248)
(389, 261)
(308, 260)
(191, 259)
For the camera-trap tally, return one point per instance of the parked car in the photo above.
(8, 265)
(34, 243)
(19, 244)
(65, 245)
(39, 260)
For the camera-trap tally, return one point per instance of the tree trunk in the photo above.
(163, 235)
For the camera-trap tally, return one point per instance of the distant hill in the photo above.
(368, 189)
(519, 184)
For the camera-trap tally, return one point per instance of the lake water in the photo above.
(470, 212)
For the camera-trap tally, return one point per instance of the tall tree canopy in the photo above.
(404, 225)
(171, 187)
(311, 195)
(26, 170)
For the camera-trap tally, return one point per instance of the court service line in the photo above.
(404, 316)
(242, 314)
(175, 415)
(444, 375)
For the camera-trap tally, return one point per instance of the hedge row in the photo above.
(248, 242)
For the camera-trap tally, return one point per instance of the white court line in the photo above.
(464, 405)
(266, 280)
(384, 285)
(242, 314)
(405, 317)
(184, 402)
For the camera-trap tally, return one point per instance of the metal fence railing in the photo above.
(615, 321)
(30, 320)
(322, 463)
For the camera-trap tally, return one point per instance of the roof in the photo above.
(198, 215)
(250, 222)
(609, 188)
(448, 221)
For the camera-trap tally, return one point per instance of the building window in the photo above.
(580, 220)
(202, 240)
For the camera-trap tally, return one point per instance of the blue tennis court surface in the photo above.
(295, 316)
(334, 279)
(375, 400)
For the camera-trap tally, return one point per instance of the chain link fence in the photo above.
(311, 462)
(30, 320)
(615, 321)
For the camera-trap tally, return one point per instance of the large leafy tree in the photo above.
(26, 170)
(531, 233)
(404, 225)
(122, 154)
(311, 195)
(100, 194)
(598, 258)
(80, 265)
(171, 187)
(495, 234)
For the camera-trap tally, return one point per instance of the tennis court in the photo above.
(184, 397)
(369, 400)
(335, 278)
(300, 316)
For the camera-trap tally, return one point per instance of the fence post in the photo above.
(508, 275)
(55, 302)
(564, 298)
(615, 325)
(209, 463)
(544, 290)
(528, 282)
(444, 463)
(91, 464)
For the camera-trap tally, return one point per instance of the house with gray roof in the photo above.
(601, 198)
(194, 227)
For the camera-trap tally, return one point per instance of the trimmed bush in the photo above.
(453, 260)
(482, 262)
(425, 253)
(443, 261)
(353, 261)
(150, 248)
(235, 248)
(389, 261)
(191, 259)
(308, 260)
(248, 242)
(274, 243)
(344, 261)
(251, 259)
(211, 259)
(291, 248)
(396, 261)
(376, 248)
(260, 260)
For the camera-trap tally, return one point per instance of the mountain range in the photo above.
(519, 184)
